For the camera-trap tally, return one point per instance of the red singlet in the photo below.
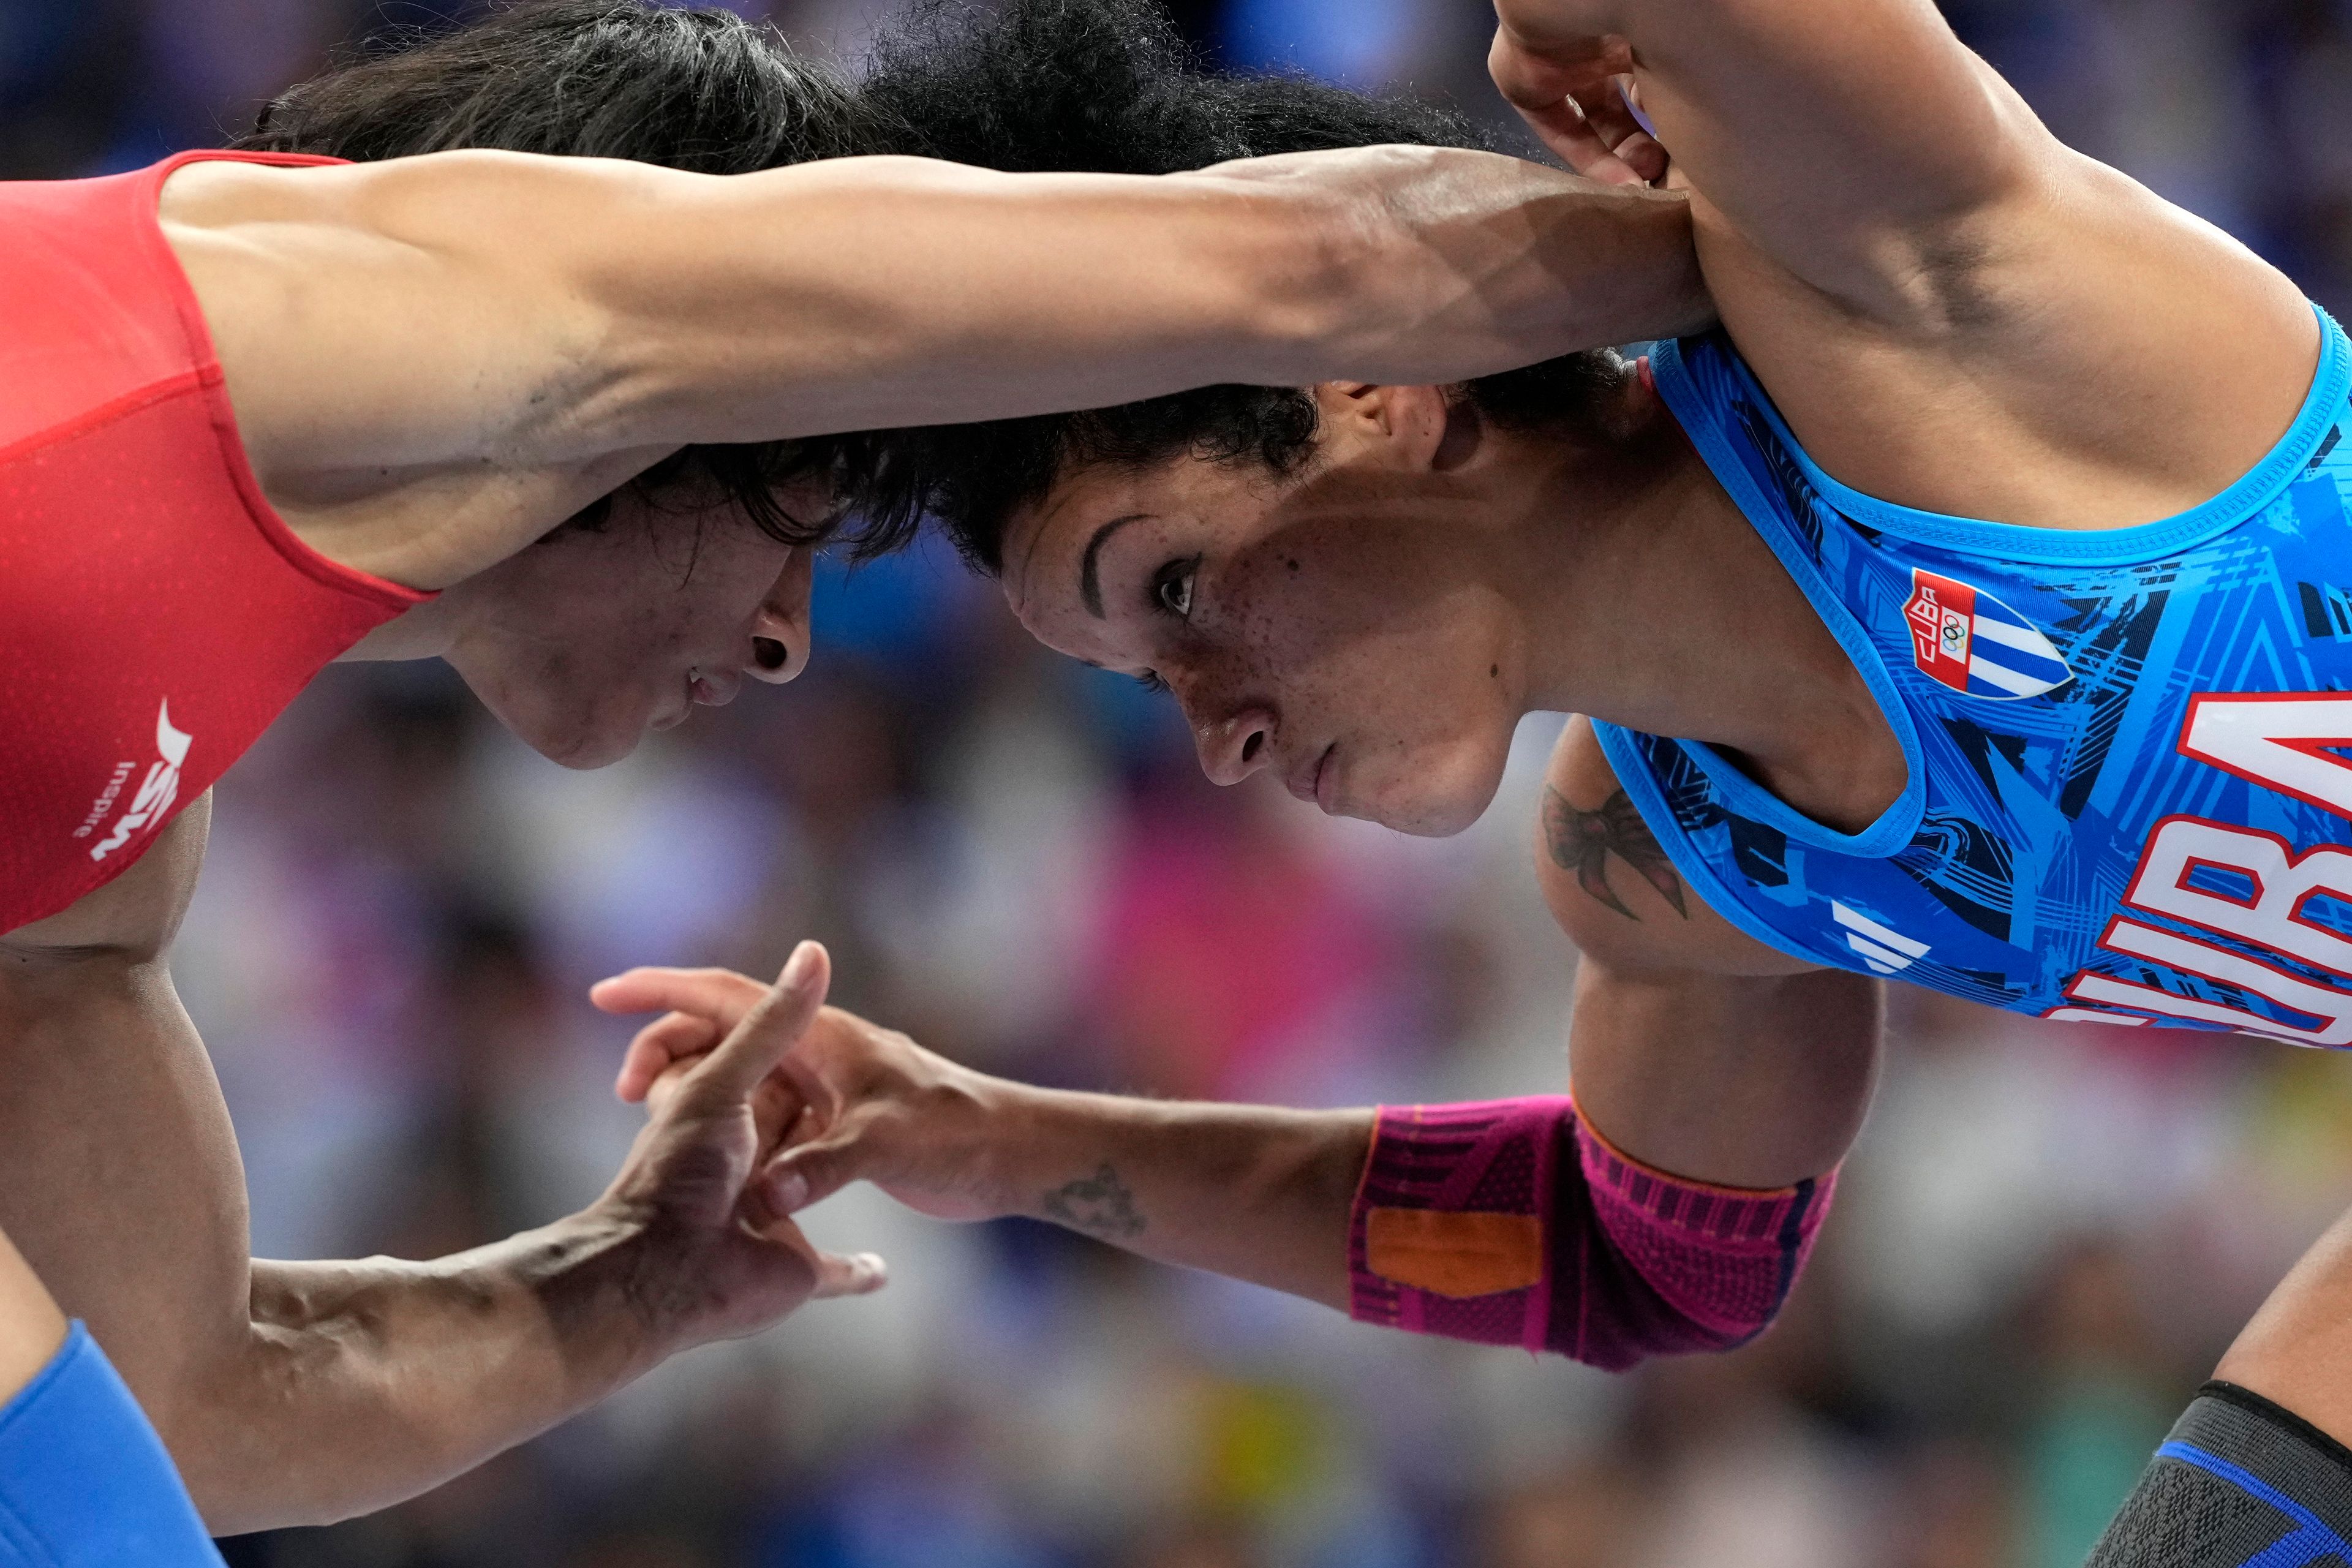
(155, 612)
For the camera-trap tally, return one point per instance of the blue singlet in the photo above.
(2130, 752)
(84, 1480)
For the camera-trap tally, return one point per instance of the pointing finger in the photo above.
(713, 992)
(775, 1022)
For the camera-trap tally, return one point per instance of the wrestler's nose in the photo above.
(1235, 745)
(779, 631)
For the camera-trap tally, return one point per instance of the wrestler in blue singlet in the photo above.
(2130, 751)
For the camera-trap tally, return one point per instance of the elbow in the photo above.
(200, 1421)
(1645, 1330)
(221, 1415)
(1678, 1268)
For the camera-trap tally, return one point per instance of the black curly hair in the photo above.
(1109, 86)
(695, 88)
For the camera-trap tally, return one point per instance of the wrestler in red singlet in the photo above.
(156, 613)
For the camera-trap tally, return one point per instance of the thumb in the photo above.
(813, 1172)
(775, 1022)
(833, 1275)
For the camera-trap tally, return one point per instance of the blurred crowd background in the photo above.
(2045, 1240)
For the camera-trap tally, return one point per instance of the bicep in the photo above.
(545, 311)
(1741, 1080)
(1611, 884)
(120, 1180)
(118, 1174)
(1694, 1047)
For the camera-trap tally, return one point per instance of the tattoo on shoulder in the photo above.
(1099, 1204)
(1583, 841)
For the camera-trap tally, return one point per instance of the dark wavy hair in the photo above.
(695, 88)
(1109, 86)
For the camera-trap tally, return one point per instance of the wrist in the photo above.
(1024, 1138)
(598, 1279)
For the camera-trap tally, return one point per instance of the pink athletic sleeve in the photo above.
(1511, 1222)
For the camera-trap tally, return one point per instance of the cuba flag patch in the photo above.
(1971, 641)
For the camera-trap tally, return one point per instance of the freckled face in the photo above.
(584, 641)
(1340, 631)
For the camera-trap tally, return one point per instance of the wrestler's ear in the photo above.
(1404, 427)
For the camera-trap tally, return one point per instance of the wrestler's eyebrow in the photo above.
(1089, 573)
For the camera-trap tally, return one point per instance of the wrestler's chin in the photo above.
(1428, 797)
(597, 737)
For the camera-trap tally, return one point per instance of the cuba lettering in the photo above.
(2280, 741)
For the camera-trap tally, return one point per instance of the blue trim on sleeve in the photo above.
(2095, 547)
(2292, 1550)
(1741, 794)
(84, 1479)
(1641, 787)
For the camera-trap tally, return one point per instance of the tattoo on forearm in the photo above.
(1099, 1204)
(1583, 841)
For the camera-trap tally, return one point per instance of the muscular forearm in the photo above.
(880, 292)
(360, 1384)
(296, 1393)
(1255, 1193)
(973, 295)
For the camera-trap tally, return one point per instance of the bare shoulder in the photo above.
(132, 918)
(406, 348)
(2070, 352)
(1954, 310)
(1612, 886)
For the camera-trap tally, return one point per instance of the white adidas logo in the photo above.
(1885, 951)
(156, 790)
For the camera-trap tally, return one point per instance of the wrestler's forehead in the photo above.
(1047, 544)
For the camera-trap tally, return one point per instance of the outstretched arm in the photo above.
(1736, 1093)
(302, 1393)
(584, 307)
(1256, 1193)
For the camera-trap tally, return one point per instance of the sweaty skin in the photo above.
(1953, 311)
(435, 363)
